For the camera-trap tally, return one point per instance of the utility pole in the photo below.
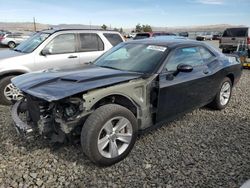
(34, 22)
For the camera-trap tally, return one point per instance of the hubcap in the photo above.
(12, 45)
(115, 137)
(225, 93)
(12, 93)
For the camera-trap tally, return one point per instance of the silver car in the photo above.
(13, 39)
(63, 49)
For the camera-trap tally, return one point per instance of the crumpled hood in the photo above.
(4, 54)
(56, 85)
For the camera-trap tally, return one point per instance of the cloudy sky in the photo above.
(127, 13)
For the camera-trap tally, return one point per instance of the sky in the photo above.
(128, 13)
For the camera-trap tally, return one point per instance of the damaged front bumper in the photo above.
(21, 127)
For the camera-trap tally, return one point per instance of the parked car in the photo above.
(144, 35)
(204, 36)
(134, 87)
(65, 48)
(232, 37)
(217, 36)
(13, 39)
(183, 34)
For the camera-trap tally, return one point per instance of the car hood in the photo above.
(54, 85)
(4, 54)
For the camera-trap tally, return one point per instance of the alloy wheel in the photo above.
(115, 137)
(12, 93)
(225, 93)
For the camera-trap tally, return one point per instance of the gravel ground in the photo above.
(204, 148)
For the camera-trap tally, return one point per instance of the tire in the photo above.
(4, 83)
(94, 130)
(248, 53)
(217, 103)
(12, 44)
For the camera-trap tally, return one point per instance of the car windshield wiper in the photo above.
(17, 50)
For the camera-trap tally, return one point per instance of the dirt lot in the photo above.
(205, 148)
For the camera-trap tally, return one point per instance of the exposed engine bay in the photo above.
(54, 120)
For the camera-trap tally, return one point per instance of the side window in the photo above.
(189, 55)
(206, 54)
(90, 42)
(64, 43)
(114, 39)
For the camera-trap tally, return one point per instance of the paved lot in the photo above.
(205, 148)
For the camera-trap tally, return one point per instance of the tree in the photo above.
(143, 28)
(146, 28)
(115, 29)
(138, 28)
(121, 30)
(104, 27)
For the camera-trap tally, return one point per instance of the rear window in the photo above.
(113, 38)
(235, 32)
(142, 36)
(90, 42)
(163, 34)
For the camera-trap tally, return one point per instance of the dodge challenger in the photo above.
(134, 87)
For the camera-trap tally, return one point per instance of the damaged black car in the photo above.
(134, 87)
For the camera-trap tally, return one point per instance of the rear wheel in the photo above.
(109, 134)
(12, 44)
(8, 92)
(223, 96)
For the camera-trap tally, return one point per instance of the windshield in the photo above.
(133, 57)
(142, 36)
(31, 43)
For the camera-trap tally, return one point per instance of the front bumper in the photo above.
(21, 127)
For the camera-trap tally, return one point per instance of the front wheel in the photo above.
(11, 45)
(109, 134)
(8, 92)
(223, 96)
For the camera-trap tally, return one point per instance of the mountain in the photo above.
(29, 26)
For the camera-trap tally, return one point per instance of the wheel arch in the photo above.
(119, 99)
(12, 73)
(231, 77)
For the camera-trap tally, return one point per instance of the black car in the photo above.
(134, 87)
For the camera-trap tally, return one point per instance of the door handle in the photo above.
(233, 38)
(72, 56)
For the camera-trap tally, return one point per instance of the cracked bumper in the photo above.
(21, 127)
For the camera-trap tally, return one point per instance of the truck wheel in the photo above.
(11, 44)
(8, 92)
(109, 134)
(223, 96)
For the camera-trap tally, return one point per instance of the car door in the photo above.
(17, 38)
(182, 91)
(90, 47)
(60, 52)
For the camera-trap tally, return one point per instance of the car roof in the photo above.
(51, 31)
(170, 43)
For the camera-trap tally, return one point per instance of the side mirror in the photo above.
(184, 68)
(45, 52)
